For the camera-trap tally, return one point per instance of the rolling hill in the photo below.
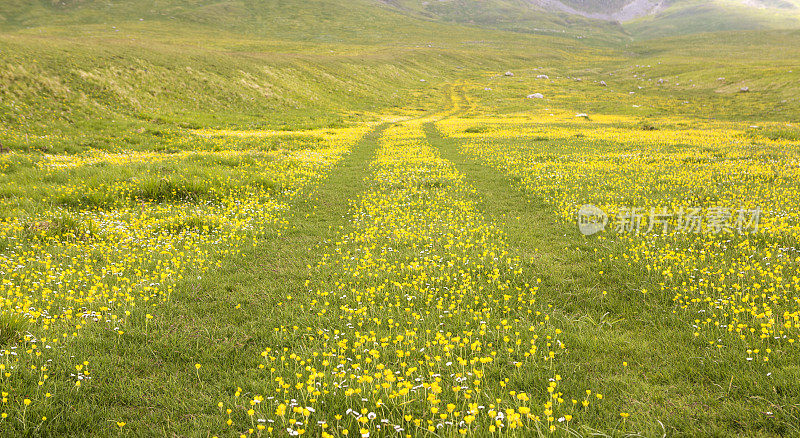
(79, 68)
(82, 69)
(369, 21)
(610, 18)
(688, 17)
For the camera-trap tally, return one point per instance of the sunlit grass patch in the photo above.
(102, 237)
(423, 322)
(733, 286)
(12, 328)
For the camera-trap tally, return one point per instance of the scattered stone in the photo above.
(744, 89)
(542, 77)
(487, 89)
(536, 96)
(661, 81)
(508, 73)
(603, 83)
(720, 79)
(583, 115)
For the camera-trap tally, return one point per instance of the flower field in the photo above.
(739, 288)
(425, 323)
(111, 252)
(383, 219)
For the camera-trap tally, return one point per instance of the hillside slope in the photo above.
(74, 73)
(371, 21)
(515, 15)
(688, 17)
(360, 21)
(601, 18)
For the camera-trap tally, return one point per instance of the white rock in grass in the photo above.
(542, 77)
(508, 73)
(603, 83)
(536, 96)
(744, 89)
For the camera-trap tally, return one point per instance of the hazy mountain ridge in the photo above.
(627, 10)
(600, 10)
(353, 20)
(639, 18)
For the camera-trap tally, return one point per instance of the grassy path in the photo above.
(221, 321)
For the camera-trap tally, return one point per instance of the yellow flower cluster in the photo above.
(72, 266)
(417, 320)
(738, 290)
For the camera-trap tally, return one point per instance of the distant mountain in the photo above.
(691, 16)
(539, 17)
(368, 20)
(609, 10)
(638, 18)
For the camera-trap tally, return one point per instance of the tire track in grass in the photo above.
(417, 321)
(639, 352)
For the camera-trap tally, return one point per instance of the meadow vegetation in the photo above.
(253, 219)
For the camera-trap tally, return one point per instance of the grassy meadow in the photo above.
(235, 219)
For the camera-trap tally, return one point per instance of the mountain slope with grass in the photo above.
(332, 21)
(370, 21)
(80, 70)
(612, 19)
(177, 64)
(515, 15)
(688, 17)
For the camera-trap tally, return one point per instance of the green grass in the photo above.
(12, 328)
(213, 233)
(221, 320)
(711, 394)
(690, 17)
(138, 88)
